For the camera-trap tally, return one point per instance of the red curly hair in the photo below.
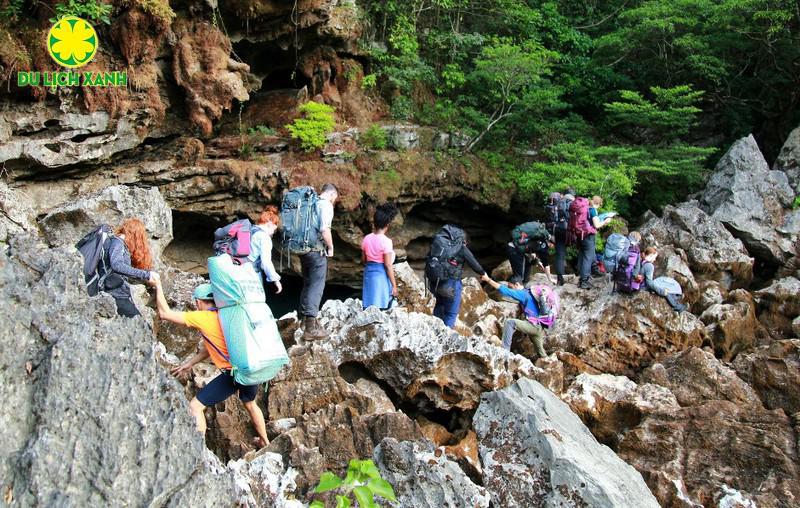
(270, 214)
(137, 242)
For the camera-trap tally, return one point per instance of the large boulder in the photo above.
(779, 306)
(774, 372)
(621, 334)
(423, 477)
(732, 326)
(750, 199)
(788, 160)
(712, 253)
(536, 452)
(71, 221)
(417, 356)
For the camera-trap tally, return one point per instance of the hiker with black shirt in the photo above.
(444, 269)
(529, 245)
(129, 257)
(557, 212)
(206, 321)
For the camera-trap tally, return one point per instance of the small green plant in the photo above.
(350, 72)
(262, 130)
(796, 204)
(316, 124)
(402, 108)
(92, 10)
(374, 137)
(362, 480)
(245, 150)
(369, 82)
(13, 10)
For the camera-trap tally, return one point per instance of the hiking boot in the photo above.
(585, 285)
(560, 280)
(313, 330)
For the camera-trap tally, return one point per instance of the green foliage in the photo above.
(401, 108)
(313, 128)
(670, 115)
(796, 203)
(369, 82)
(159, 9)
(350, 72)
(262, 130)
(92, 10)
(363, 481)
(374, 137)
(12, 10)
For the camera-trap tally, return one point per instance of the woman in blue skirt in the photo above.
(377, 253)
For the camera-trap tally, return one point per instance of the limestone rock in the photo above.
(779, 305)
(711, 251)
(70, 222)
(695, 377)
(621, 334)
(423, 478)
(536, 452)
(788, 160)
(411, 288)
(732, 327)
(417, 356)
(774, 372)
(750, 199)
(16, 213)
(402, 136)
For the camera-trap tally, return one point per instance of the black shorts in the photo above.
(222, 387)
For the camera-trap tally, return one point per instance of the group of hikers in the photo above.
(113, 258)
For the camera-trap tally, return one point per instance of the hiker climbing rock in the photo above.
(557, 212)
(539, 305)
(529, 245)
(206, 320)
(112, 259)
(261, 246)
(667, 287)
(583, 226)
(623, 261)
(377, 255)
(444, 268)
(307, 220)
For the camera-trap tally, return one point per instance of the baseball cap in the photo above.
(203, 292)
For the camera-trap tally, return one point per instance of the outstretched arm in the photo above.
(187, 367)
(485, 278)
(164, 312)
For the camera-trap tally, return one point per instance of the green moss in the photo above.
(159, 9)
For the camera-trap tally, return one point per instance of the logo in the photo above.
(72, 42)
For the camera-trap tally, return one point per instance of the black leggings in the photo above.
(126, 307)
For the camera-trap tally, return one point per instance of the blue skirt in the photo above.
(377, 286)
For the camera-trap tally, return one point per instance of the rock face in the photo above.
(70, 222)
(712, 253)
(536, 452)
(788, 160)
(774, 372)
(779, 306)
(621, 334)
(417, 356)
(425, 478)
(732, 326)
(750, 199)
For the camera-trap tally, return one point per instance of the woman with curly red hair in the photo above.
(261, 245)
(129, 258)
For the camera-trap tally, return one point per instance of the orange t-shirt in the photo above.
(207, 321)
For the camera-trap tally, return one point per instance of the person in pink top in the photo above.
(377, 254)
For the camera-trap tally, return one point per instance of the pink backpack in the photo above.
(579, 225)
(549, 305)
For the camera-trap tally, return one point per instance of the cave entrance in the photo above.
(193, 236)
(275, 67)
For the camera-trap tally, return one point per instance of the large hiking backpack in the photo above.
(627, 270)
(234, 240)
(579, 226)
(548, 303)
(300, 220)
(443, 261)
(94, 249)
(530, 237)
(616, 248)
(557, 213)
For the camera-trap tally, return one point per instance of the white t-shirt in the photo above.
(325, 214)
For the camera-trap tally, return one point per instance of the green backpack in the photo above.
(530, 237)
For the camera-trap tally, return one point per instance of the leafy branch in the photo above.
(363, 481)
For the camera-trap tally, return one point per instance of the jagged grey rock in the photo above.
(71, 221)
(788, 160)
(423, 478)
(16, 213)
(712, 252)
(750, 199)
(402, 136)
(536, 452)
(779, 305)
(417, 355)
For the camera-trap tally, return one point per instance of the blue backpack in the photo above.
(616, 248)
(300, 221)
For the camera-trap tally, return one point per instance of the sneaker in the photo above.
(585, 285)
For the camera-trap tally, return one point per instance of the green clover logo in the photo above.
(72, 42)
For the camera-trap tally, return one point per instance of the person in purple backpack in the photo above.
(531, 308)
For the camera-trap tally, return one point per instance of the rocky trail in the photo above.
(634, 406)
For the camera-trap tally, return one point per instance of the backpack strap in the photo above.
(219, 352)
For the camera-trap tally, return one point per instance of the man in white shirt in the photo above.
(315, 266)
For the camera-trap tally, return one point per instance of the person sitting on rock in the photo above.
(664, 286)
(206, 320)
(377, 254)
(261, 246)
(530, 308)
(129, 257)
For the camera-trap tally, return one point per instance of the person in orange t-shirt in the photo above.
(206, 320)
